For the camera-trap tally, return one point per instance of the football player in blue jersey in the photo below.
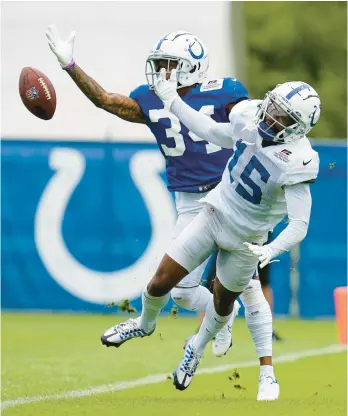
(194, 166)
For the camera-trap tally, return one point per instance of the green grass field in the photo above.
(53, 354)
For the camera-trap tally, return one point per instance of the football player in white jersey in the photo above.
(266, 178)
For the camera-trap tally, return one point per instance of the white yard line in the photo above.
(159, 378)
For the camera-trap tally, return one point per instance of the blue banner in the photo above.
(84, 226)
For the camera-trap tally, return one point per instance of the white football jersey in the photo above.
(251, 194)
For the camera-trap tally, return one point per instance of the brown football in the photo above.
(37, 93)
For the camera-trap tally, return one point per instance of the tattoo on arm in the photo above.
(118, 104)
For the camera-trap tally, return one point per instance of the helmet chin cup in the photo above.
(266, 132)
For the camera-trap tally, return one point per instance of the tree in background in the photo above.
(300, 41)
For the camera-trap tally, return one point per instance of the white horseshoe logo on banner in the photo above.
(87, 284)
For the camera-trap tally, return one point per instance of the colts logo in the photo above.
(32, 94)
(314, 117)
(91, 285)
(201, 54)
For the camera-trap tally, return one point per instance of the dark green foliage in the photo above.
(301, 41)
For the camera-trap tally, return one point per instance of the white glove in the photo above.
(166, 90)
(264, 253)
(62, 49)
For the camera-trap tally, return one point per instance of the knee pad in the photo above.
(182, 296)
(253, 295)
(192, 299)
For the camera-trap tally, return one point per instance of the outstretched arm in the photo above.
(118, 104)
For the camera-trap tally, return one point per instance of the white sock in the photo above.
(211, 325)
(258, 317)
(151, 309)
(192, 298)
(267, 370)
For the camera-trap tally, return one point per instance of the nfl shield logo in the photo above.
(32, 94)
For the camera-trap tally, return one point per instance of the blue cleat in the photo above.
(183, 375)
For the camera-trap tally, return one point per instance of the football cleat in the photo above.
(183, 375)
(223, 339)
(118, 334)
(268, 388)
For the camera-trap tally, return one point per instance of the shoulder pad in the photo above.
(245, 109)
(300, 162)
(211, 85)
(229, 90)
(139, 92)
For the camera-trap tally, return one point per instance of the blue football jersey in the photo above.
(192, 164)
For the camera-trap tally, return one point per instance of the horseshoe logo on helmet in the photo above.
(314, 117)
(201, 54)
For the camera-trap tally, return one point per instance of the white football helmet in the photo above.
(288, 112)
(184, 48)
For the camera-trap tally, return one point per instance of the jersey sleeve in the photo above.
(141, 96)
(304, 170)
(299, 202)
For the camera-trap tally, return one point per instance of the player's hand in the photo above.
(264, 253)
(62, 49)
(166, 89)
